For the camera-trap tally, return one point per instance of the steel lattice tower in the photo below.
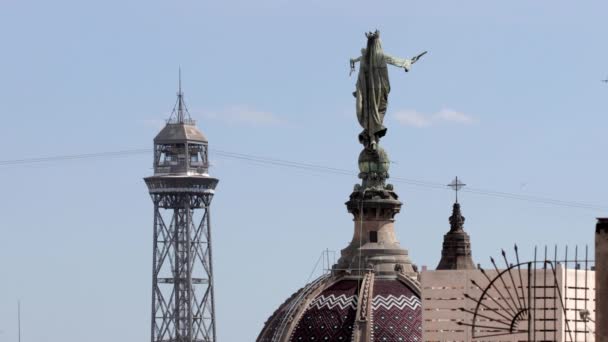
(183, 308)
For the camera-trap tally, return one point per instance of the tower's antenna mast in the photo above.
(179, 114)
(180, 100)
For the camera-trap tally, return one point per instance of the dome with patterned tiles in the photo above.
(330, 309)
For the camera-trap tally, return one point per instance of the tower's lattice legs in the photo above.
(183, 308)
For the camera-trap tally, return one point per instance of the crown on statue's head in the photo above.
(372, 35)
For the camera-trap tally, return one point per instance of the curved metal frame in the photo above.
(522, 308)
(483, 295)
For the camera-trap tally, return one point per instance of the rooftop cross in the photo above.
(456, 185)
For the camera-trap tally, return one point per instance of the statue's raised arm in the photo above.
(373, 87)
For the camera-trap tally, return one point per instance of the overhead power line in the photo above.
(26, 161)
(310, 167)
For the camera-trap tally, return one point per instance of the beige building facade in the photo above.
(516, 304)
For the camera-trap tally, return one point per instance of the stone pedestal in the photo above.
(374, 245)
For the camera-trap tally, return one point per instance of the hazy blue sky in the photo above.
(508, 98)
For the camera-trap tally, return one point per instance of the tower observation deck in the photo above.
(183, 308)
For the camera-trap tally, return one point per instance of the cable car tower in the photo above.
(183, 308)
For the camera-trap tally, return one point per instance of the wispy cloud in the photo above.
(242, 114)
(418, 119)
(449, 115)
(412, 118)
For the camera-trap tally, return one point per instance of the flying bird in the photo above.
(606, 80)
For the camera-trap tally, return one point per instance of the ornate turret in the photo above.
(456, 252)
(180, 148)
(374, 205)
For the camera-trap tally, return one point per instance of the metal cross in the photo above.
(456, 185)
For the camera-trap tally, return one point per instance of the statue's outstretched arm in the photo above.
(404, 63)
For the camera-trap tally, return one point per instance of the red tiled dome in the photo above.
(327, 309)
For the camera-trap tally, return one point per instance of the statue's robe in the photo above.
(373, 87)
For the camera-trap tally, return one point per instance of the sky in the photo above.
(508, 98)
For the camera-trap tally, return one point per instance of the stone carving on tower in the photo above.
(372, 292)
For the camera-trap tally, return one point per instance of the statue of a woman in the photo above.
(373, 87)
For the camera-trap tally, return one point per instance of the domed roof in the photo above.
(330, 309)
(179, 132)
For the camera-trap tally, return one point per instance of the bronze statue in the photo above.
(373, 87)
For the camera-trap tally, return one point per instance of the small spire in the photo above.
(456, 252)
(456, 220)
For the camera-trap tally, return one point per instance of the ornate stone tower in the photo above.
(182, 269)
(372, 292)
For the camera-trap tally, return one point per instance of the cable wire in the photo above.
(310, 167)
